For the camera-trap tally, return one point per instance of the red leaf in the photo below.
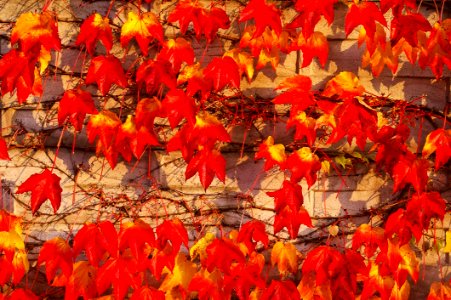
(305, 126)
(146, 111)
(298, 93)
(144, 28)
(438, 141)
(106, 70)
(365, 14)
(370, 237)
(264, 15)
(153, 74)
(21, 294)
(315, 45)
(223, 72)
(292, 220)
(397, 5)
(95, 28)
(391, 146)
(4, 150)
(273, 154)
(204, 21)
(398, 223)
(75, 104)
(251, 233)
(56, 254)
(207, 163)
(223, 254)
(18, 71)
(325, 261)
(147, 293)
(119, 272)
(310, 14)
(407, 27)
(281, 290)
(355, 120)
(410, 170)
(289, 195)
(80, 283)
(96, 240)
(176, 52)
(177, 106)
(135, 236)
(173, 231)
(42, 186)
(303, 164)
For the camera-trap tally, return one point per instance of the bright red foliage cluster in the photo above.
(172, 83)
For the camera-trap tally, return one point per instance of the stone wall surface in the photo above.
(154, 187)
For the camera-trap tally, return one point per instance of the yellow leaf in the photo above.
(447, 248)
(285, 256)
(181, 275)
(199, 248)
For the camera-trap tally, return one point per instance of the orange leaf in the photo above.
(285, 256)
(144, 28)
(33, 30)
(273, 154)
(345, 85)
(315, 45)
(95, 28)
(42, 186)
(438, 141)
(80, 283)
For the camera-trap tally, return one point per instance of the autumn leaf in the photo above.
(207, 163)
(377, 281)
(42, 186)
(298, 93)
(310, 13)
(381, 57)
(103, 125)
(264, 15)
(305, 126)
(356, 120)
(75, 104)
(397, 5)
(178, 106)
(303, 164)
(345, 85)
(439, 291)
(223, 72)
(325, 261)
(407, 27)
(9, 221)
(96, 240)
(177, 51)
(438, 141)
(292, 220)
(390, 143)
(204, 21)
(365, 14)
(33, 30)
(153, 74)
(95, 28)
(284, 255)
(136, 236)
(146, 111)
(411, 170)
(199, 249)
(244, 61)
(315, 45)
(21, 294)
(80, 283)
(56, 254)
(208, 130)
(106, 70)
(144, 27)
(371, 237)
(130, 138)
(18, 71)
(120, 273)
(147, 293)
(209, 285)
(252, 232)
(273, 154)
(181, 274)
(279, 290)
(4, 150)
(289, 195)
(224, 255)
(173, 231)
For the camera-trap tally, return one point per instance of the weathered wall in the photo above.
(154, 187)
